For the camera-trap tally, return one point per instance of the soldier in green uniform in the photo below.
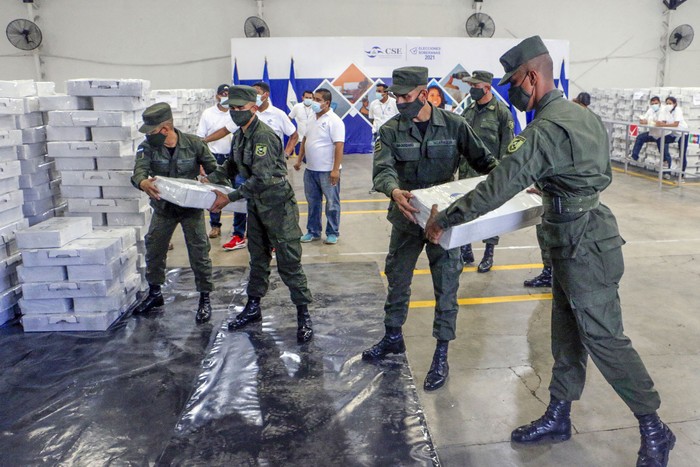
(493, 123)
(565, 152)
(420, 147)
(273, 215)
(168, 152)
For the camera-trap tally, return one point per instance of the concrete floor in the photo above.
(501, 360)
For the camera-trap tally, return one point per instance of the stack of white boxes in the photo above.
(187, 105)
(75, 278)
(15, 103)
(629, 105)
(94, 151)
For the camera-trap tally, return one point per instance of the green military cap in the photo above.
(479, 76)
(406, 79)
(527, 50)
(154, 115)
(240, 95)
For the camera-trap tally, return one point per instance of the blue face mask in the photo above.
(258, 100)
(308, 102)
(379, 95)
(316, 107)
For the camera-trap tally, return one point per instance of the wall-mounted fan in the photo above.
(24, 34)
(480, 25)
(256, 27)
(681, 37)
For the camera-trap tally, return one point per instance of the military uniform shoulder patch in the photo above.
(515, 144)
(378, 145)
(261, 150)
(511, 124)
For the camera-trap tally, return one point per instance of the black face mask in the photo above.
(240, 117)
(410, 110)
(518, 97)
(477, 93)
(157, 140)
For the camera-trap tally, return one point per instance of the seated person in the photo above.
(674, 119)
(655, 114)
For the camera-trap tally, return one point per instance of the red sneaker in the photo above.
(235, 243)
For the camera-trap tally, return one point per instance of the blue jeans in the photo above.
(239, 219)
(641, 140)
(316, 186)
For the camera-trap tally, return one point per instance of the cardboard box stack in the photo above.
(629, 105)
(75, 278)
(95, 149)
(187, 105)
(18, 109)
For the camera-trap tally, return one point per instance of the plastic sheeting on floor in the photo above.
(162, 389)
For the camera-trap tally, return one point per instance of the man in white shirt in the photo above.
(302, 113)
(381, 109)
(675, 120)
(275, 118)
(322, 149)
(653, 116)
(214, 118)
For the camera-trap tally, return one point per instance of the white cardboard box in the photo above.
(120, 219)
(116, 163)
(24, 105)
(40, 177)
(119, 103)
(95, 321)
(48, 305)
(108, 87)
(116, 133)
(11, 200)
(10, 138)
(38, 192)
(63, 102)
(79, 191)
(126, 235)
(17, 88)
(28, 120)
(29, 166)
(67, 289)
(8, 232)
(67, 133)
(98, 178)
(45, 88)
(107, 205)
(10, 184)
(34, 135)
(75, 163)
(122, 266)
(10, 169)
(523, 210)
(42, 274)
(122, 297)
(77, 252)
(98, 218)
(92, 118)
(29, 151)
(193, 194)
(122, 192)
(90, 149)
(38, 207)
(54, 233)
(11, 216)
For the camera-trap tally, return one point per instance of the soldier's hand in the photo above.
(335, 177)
(534, 191)
(220, 202)
(433, 231)
(402, 198)
(150, 188)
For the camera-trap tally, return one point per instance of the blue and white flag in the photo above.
(236, 81)
(292, 97)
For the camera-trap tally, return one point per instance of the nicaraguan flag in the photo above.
(292, 97)
(266, 75)
(236, 81)
(563, 84)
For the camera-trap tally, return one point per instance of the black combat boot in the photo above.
(392, 342)
(543, 280)
(657, 441)
(154, 299)
(439, 369)
(487, 261)
(554, 425)
(467, 254)
(204, 309)
(250, 314)
(304, 330)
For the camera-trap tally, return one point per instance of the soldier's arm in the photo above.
(474, 151)
(384, 175)
(529, 159)
(266, 148)
(507, 127)
(206, 160)
(142, 166)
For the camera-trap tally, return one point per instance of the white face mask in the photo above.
(655, 107)
(307, 102)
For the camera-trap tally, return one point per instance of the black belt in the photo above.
(559, 205)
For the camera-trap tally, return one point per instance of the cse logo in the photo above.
(377, 51)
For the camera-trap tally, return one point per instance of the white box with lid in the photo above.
(108, 87)
(46, 306)
(76, 252)
(17, 88)
(54, 233)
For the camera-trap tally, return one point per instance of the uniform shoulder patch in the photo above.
(378, 145)
(511, 124)
(261, 150)
(515, 144)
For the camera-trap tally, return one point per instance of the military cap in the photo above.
(527, 50)
(240, 95)
(222, 89)
(154, 115)
(406, 79)
(479, 76)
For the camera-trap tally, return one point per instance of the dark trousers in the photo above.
(641, 140)
(587, 320)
